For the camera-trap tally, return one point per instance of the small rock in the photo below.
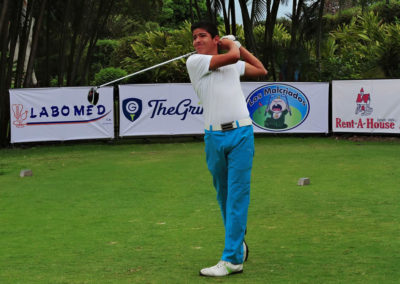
(25, 173)
(303, 181)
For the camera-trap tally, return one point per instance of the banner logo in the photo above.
(20, 115)
(278, 107)
(132, 108)
(40, 115)
(363, 103)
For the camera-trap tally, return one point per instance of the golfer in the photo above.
(229, 139)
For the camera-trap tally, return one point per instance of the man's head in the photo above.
(209, 27)
(205, 38)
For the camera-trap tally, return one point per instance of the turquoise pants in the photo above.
(229, 158)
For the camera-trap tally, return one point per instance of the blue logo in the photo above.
(69, 114)
(278, 107)
(132, 108)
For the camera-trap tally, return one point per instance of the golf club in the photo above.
(93, 95)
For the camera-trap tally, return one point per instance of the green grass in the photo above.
(147, 213)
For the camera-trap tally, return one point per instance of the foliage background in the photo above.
(76, 42)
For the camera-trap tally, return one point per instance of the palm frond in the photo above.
(216, 6)
(258, 11)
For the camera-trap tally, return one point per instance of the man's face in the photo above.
(204, 43)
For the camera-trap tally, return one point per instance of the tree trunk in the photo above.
(270, 22)
(248, 28)
(196, 5)
(319, 34)
(292, 64)
(215, 12)
(76, 28)
(233, 16)
(63, 40)
(3, 14)
(8, 41)
(103, 10)
(35, 40)
(23, 45)
(191, 11)
(210, 13)
(86, 32)
(15, 30)
(47, 52)
(4, 101)
(226, 18)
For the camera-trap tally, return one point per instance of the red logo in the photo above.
(363, 103)
(19, 114)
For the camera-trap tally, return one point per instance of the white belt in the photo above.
(229, 125)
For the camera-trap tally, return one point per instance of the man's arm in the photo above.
(231, 57)
(254, 67)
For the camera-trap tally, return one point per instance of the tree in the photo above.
(21, 20)
(228, 13)
(11, 26)
(3, 12)
(270, 21)
(23, 44)
(225, 13)
(63, 40)
(319, 34)
(174, 12)
(210, 14)
(292, 64)
(358, 49)
(151, 48)
(232, 15)
(248, 27)
(38, 25)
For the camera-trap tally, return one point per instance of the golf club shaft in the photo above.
(147, 69)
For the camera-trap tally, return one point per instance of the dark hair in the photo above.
(209, 27)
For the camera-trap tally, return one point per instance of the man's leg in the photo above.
(240, 160)
(217, 165)
(227, 164)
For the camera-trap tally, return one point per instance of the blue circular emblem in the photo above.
(277, 107)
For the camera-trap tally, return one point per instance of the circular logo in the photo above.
(277, 107)
(132, 107)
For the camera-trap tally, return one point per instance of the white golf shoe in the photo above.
(223, 268)
(245, 251)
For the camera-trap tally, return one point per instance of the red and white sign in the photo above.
(367, 106)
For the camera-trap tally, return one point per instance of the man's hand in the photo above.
(226, 44)
(254, 67)
(230, 57)
(232, 38)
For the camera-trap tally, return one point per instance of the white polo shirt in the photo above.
(219, 90)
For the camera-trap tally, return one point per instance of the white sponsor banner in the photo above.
(159, 109)
(58, 114)
(299, 107)
(368, 106)
(172, 109)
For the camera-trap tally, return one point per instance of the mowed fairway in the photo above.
(147, 213)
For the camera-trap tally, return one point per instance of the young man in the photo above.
(229, 135)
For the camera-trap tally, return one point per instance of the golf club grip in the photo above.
(148, 68)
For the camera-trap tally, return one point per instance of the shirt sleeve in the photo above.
(241, 67)
(198, 65)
